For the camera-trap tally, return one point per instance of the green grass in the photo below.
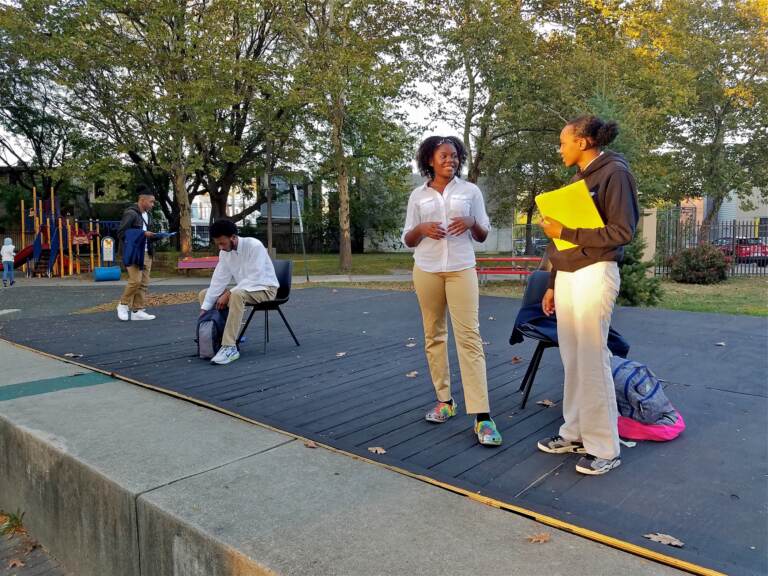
(746, 295)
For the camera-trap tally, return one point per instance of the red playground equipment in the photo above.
(51, 244)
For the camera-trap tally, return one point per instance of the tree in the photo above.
(355, 66)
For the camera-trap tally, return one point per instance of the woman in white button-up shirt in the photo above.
(444, 215)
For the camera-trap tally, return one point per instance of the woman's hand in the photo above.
(461, 224)
(548, 302)
(432, 230)
(552, 228)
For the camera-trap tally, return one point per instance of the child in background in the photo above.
(8, 253)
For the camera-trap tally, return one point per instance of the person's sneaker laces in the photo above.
(487, 434)
(559, 445)
(225, 355)
(141, 315)
(441, 411)
(123, 312)
(595, 466)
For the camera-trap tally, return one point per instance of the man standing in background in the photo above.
(137, 217)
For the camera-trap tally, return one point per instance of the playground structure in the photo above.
(52, 245)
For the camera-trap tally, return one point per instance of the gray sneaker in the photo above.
(226, 355)
(595, 466)
(559, 445)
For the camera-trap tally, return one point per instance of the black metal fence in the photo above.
(744, 243)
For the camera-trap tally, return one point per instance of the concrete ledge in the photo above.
(118, 480)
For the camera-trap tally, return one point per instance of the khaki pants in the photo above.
(459, 293)
(584, 302)
(237, 302)
(138, 282)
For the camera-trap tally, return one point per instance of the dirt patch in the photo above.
(152, 301)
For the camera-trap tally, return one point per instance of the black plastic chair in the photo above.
(283, 271)
(534, 293)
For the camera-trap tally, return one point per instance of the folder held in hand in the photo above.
(572, 206)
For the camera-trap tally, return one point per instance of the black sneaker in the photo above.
(559, 445)
(595, 466)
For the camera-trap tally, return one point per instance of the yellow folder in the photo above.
(571, 205)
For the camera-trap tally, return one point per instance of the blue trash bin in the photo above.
(106, 274)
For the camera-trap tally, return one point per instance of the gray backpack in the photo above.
(639, 392)
(210, 329)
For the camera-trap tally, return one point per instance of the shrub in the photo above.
(637, 288)
(704, 264)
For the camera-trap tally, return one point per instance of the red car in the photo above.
(747, 249)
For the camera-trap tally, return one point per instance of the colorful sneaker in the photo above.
(595, 466)
(487, 434)
(225, 355)
(441, 412)
(559, 445)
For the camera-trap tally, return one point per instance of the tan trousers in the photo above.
(584, 302)
(459, 293)
(138, 282)
(237, 302)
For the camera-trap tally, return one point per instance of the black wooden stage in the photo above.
(347, 386)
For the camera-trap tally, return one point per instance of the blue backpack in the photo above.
(210, 329)
(639, 392)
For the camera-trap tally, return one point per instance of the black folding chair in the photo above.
(534, 293)
(283, 271)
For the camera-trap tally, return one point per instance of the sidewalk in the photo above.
(195, 281)
(121, 480)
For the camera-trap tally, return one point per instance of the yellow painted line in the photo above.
(542, 518)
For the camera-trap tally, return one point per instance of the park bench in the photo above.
(203, 263)
(506, 265)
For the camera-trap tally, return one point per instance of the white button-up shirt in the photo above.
(452, 253)
(250, 267)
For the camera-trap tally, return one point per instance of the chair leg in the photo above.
(288, 326)
(245, 327)
(533, 367)
(528, 371)
(266, 331)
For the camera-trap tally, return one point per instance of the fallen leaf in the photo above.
(364, 332)
(516, 359)
(412, 374)
(310, 444)
(340, 354)
(665, 539)
(547, 403)
(410, 345)
(334, 291)
(491, 318)
(16, 563)
(377, 450)
(411, 339)
(541, 538)
(627, 443)
(73, 355)
(720, 344)
(366, 312)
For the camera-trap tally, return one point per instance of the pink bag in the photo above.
(634, 430)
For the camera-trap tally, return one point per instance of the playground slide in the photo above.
(25, 253)
(22, 256)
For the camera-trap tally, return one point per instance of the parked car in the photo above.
(539, 246)
(747, 250)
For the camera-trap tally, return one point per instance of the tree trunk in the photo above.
(179, 176)
(342, 180)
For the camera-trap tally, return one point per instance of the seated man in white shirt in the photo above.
(246, 262)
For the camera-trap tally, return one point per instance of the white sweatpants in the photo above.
(584, 303)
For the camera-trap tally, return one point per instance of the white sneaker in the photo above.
(225, 355)
(123, 312)
(141, 315)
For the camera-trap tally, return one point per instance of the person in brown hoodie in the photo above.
(584, 284)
